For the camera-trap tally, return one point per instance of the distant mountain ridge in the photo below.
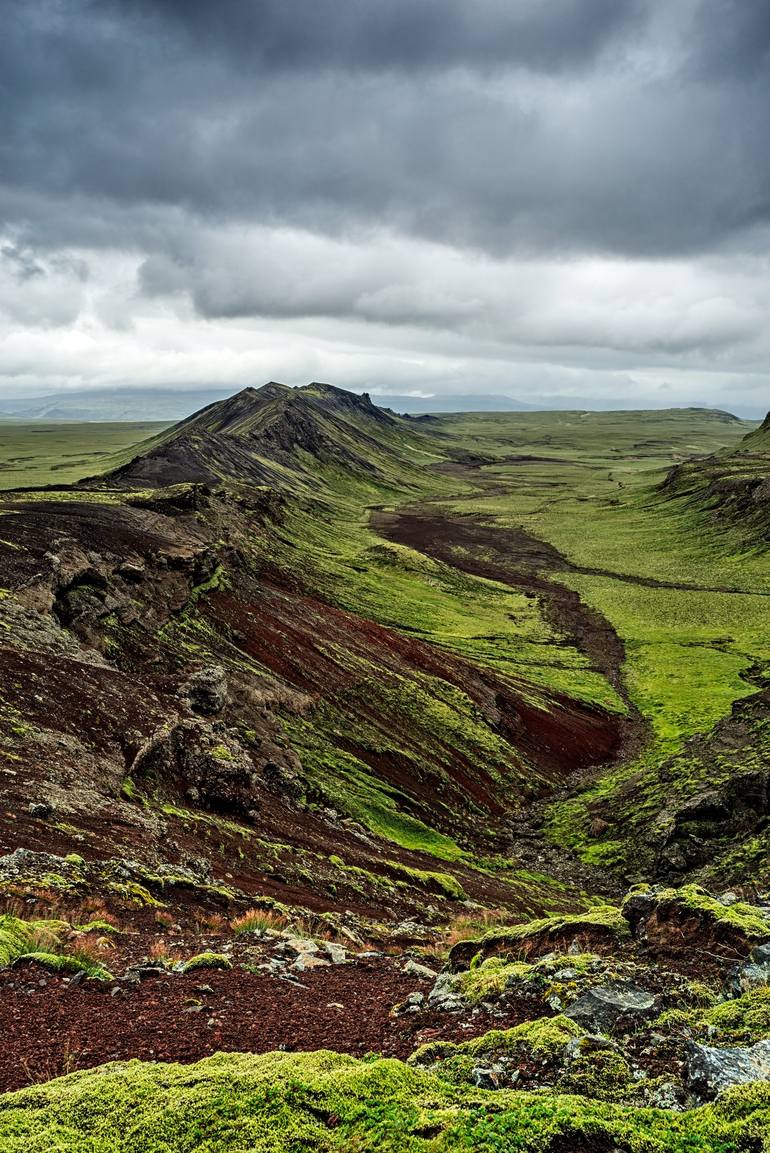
(114, 404)
(169, 404)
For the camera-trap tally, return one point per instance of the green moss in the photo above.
(598, 1072)
(72, 962)
(286, 1102)
(44, 943)
(741, 1021)
(222, 753)
(17, 937)
(746, 919)
(134, 893)
(207, 961)
(97, 926)
(491, 978)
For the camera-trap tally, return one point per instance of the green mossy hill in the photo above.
(286, 1102)
(591, 929)
(758, 440)
(732, 489)
(279, 435)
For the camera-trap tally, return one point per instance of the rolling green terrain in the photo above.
(458, 682)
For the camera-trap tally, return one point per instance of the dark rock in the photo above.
(27, 864)
(711, 1071)
(607, 1007)
(187, 759)
(282, 779)
(445, 994)
(206, 690)
(412, 1004)
(41, 809)
(755, 971)
(735, 807)
(706, 806)
(132, 571)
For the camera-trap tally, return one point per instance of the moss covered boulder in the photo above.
(665, 920)
(597, 930)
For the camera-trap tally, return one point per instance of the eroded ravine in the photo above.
(514, 557)
(472, 544)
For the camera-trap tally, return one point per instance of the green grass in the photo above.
(33, 454)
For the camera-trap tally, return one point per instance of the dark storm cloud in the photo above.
(731, 38)
(402, 35)
(503, 124)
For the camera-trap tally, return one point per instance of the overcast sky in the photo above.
(519, 196)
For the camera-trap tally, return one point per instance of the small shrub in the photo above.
(160, 954)
(469, 926)
(259, 921)
(215, 923)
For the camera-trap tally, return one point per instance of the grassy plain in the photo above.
(33, 454)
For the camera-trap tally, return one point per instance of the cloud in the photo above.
(582, 180)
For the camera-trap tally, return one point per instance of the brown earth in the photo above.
(56, 1027)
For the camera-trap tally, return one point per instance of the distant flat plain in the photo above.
(33, 453)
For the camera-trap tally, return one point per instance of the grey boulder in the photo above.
(605, 1008)
(710, 1071)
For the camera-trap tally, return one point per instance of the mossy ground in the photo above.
(285, 1102)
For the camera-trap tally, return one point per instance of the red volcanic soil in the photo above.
(52, 1026)
(514, 557)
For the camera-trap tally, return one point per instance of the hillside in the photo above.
(730, 489)
(324, 728)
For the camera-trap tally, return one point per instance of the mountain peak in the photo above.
(259, 433)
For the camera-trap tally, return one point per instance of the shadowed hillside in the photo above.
(731, 489)
(276, 434)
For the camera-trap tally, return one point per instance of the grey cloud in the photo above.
(731, 39)
(403, 166)
(414, 116)
(400, 35)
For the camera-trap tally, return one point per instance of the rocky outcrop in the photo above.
(673, 920)
(607, 1008)
(710, 1070)
(206, 690)
(595, 930)
(211, 769)
(752, 973)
